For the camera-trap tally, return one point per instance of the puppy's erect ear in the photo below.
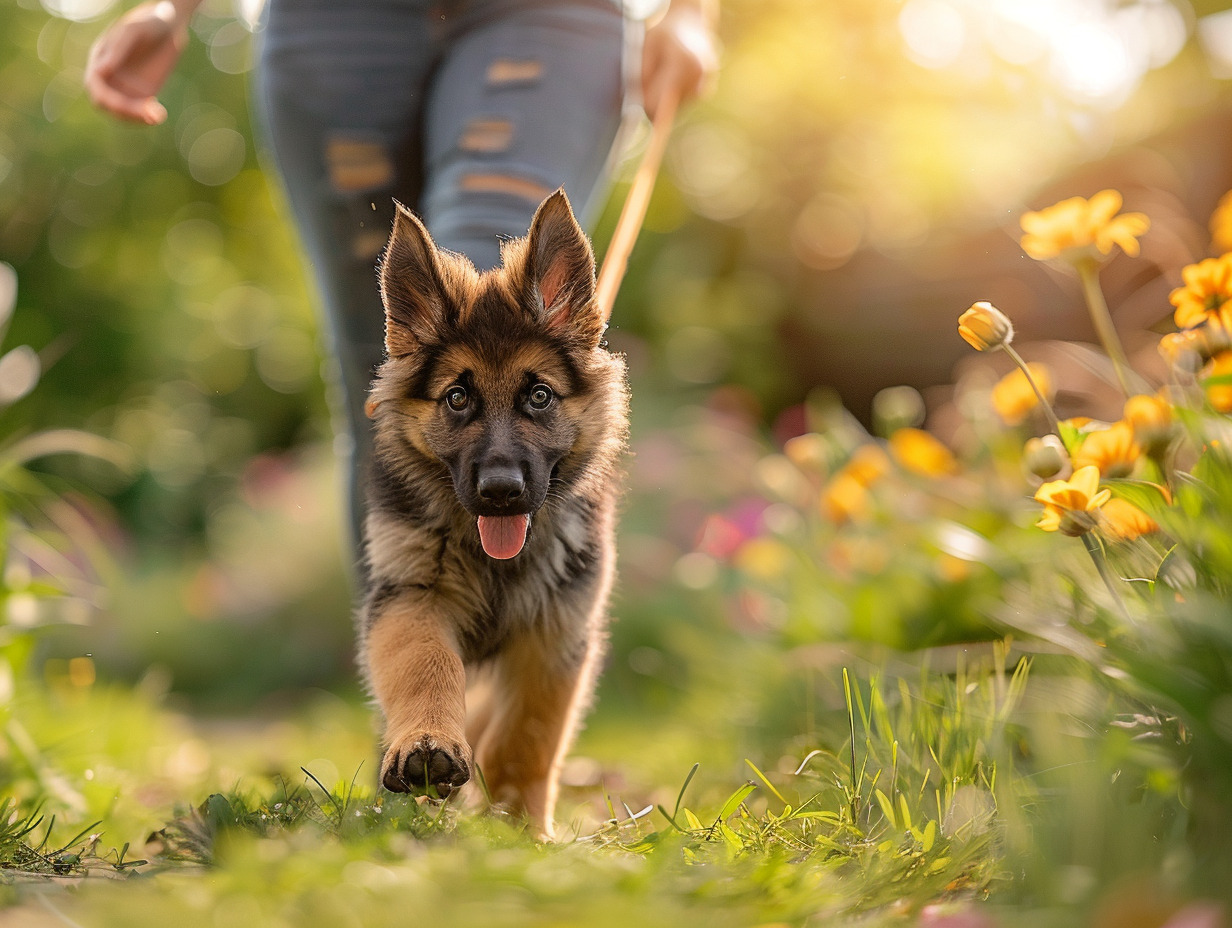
(411, 286)
(561, 269)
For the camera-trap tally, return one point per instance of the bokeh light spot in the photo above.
(1091, 63)
(78, 10)
(934, 32)
(19, 374)
(216, 156)
(286, 360)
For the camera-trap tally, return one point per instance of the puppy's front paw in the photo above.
(421, 761)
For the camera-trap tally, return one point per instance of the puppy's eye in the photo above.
(456, 398)
(540, 396)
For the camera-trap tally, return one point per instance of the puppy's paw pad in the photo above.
(426, 763)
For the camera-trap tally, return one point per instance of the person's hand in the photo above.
(131, 60)
(679, 54)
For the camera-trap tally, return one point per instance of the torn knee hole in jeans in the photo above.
(505, 72)
(487, 135)
(505, 183)
(357, 164)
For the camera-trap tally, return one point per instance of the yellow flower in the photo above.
(1013, 398)
(920, 453)
(1112, 451)
(1220, 394)
(1150, 417)
(1123, 521)
(1208, 285)
(985, 328)
(867, 465)
(1070, 506)
(764, 558)
(844, 498)
(1221, 224)
(1077, 228)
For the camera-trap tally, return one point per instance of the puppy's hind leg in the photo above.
(540, 697)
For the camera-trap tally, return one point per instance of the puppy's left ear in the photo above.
(561, 271)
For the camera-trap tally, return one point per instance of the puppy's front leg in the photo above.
(417, 677)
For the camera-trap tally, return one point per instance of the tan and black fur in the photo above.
(498, 397)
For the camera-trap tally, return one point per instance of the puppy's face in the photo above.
(487, 373)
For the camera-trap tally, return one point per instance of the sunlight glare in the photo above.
(934, 32)
(1020, 30)
(79, 11)
(1092, 64)
(1215, 34)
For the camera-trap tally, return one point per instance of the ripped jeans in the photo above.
(468, 111)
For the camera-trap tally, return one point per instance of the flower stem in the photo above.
(1095, 549)
(1088, 272)
(1026, 372)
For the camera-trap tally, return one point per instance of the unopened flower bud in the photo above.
(897, 408)
(985, 328)
(1185, 350)
(1046, 459)
(1151, 419)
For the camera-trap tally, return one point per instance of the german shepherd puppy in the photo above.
(500, 418)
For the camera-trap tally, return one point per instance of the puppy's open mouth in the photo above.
(502, 537)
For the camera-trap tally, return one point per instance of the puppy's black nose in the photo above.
(500, 485)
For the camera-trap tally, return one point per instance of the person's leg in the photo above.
(527, 98)
(339, 97)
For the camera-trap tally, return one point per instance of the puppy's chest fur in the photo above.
(423, 540)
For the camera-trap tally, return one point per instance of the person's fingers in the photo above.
(678, 58)
(116, 51)
(106, 96)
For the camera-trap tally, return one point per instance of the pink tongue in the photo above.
(503, 536)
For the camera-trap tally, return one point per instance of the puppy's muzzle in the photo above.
(501, 486)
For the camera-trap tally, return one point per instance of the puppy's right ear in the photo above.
(410, 285)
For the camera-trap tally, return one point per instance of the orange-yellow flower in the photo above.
(1112, 451)
(1208, 285)
(1071, 506)
(920, 453)
(867, 465)
(1123, 521)
(844, 498)
(985, 328)
(1220, 394)
(1077, 228)
(1013, 398)
(1151, 419)
(1221, 224)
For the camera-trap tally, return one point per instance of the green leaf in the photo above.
(770, 786)
(904, 812)
(736, 798)
(887, 807)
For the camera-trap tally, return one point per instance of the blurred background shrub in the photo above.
(854, 182)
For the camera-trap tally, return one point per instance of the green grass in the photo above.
(908, 794)
(860, 828)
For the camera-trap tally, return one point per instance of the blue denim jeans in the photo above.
(467, 111)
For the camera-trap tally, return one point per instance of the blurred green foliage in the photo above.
(157, 278)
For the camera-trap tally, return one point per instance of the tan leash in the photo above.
(633, 213)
